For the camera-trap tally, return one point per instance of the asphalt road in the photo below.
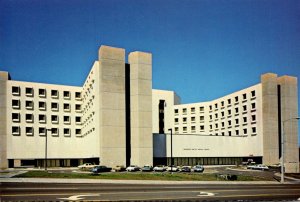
(147, 192)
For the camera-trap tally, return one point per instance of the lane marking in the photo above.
(202, 193)
(39, 188)
(78, 197)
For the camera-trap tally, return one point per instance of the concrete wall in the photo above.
(4, 76)
(112, 106)
(289, 110)
(141, 108)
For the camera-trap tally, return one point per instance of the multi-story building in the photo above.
(116, 118)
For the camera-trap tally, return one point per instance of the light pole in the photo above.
(282, 147)
(171, 150)
(46, 148)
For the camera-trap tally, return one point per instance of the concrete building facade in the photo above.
(116, 118)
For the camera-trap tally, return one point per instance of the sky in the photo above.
(202, 49)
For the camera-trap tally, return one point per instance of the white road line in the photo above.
(40, 188)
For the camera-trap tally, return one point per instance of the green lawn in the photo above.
(135, 176)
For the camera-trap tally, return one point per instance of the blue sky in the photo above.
(202, 49)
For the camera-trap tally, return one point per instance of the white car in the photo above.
(173, 169)
(86, 166)
(159, 168)
(258, 167)
(133, 168)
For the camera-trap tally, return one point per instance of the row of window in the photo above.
(42, 118)
(237, 132)
(29, 131)
(29, 104)
(201, 118)
(222, 104)
(16, 91)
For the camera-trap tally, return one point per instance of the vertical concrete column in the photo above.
(4, 76)
(270, 118)
(112, 106)
(141, 108)
(289, 110)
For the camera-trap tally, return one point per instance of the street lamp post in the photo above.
(46, 147)
(171, 150)
(282, 147)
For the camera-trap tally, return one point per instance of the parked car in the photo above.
(185, 169)
(173, 168)
(147, 168)
(119, 168)
(99, 169)
(132, 168)
(198, 168)
(159, 168)
(258, 167)
(86, 166)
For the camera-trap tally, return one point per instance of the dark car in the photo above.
(185, 169)
(99, 169)
(147, 168)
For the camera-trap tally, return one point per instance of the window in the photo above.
(223, 124)
(237, 132)
(54, 119)
(54, 131)
(176, 120)
(245, 131)
(67, 107)
(78, 119)
(216, 125)
(222, 114)
(210, 127)
(29, 92)
(210, 107)
(229, 111)
(54, 106)
(193, 128)
(229, 101)
(54, 93)
(15, 117)
(210, 117)
(78, 107)
(236, 121)
(245, 108)
(201, 109)
(184, 119)
(29, 118)
(78, 131)
(193, 119)
(67, 120)
(253, 93)
(67, 95)
(176, 129)
(245, 119)
(201, 127)
(42, 118)
(67, 132)
(16, 104)
(15, 130)
(223, 134)
(184, 110)
(15, 90)
(29, 131)
(253, 105)
(29, 104)
(253, 118)
(42, 92)
(42, 131)
(229, 122)
(222, 104)
(193, 110)
(42, 106)
(253, 130)
(216, 116)
(236, 110)
(236, 99)
(78, 95)
(244, 96)
(184, 129)
(176, 111)
(216, 106)
(229, 133)
(201, 118)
